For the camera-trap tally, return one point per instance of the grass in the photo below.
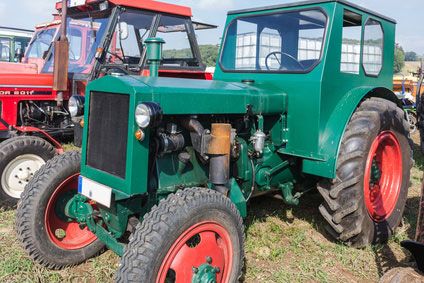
(284, 244)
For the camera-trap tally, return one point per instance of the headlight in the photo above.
(76, 105)
(148, 114)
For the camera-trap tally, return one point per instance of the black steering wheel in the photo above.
(291, 64)
(112, 69)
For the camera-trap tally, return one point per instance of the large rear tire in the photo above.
(20, 159)
(365, 202)
(47, 235)
(182, 233)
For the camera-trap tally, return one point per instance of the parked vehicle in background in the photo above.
(174, 162)
(13, 43)
(44, 106)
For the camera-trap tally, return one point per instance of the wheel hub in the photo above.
(203, 253)
(206, 273)
(18, 172)
(383, 176)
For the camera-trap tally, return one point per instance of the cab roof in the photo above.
(150, 5)
(312, 2)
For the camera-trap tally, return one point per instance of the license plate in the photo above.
(95, 191)
(75, 3)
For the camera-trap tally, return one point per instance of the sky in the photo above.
(408, 13)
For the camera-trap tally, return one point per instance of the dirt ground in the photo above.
(284, 244)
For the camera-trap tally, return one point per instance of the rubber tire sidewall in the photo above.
(380, 232)
(11, 149)
(182, 220)
(50, 255)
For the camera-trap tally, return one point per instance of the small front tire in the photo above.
(45, 233)
(184, 232)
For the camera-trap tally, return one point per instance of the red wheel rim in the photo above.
(383, 176)
(64, 234)
(215, 242)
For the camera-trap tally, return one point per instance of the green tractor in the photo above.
(301, 99)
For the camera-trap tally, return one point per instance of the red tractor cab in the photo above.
(104, 38)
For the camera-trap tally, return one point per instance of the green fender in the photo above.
(331, 137)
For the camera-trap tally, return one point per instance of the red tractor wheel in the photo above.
(195, 235)
(365, 202)
(48, 236)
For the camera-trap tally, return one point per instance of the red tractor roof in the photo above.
(150, 5)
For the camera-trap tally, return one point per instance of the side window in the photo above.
(351, 42)
(75, 44)
(4, 49)
(373, 48)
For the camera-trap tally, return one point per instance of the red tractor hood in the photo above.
(18, 68)
(26, 80)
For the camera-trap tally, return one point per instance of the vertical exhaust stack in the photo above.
(219, 152)
(61, 58)
(154, 54)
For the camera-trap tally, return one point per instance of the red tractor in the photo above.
(42, 103)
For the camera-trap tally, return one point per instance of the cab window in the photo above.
(351, 43)
(277, 42)
(373, 48)
(5, 51)
(177, 50)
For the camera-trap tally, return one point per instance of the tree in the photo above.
(411, 56)
(399, 59)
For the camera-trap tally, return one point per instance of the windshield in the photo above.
(41, 42)
(84, 36)
(277, 42)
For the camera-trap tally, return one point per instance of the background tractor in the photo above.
(174, 162)
(13, 42)
(42, 105)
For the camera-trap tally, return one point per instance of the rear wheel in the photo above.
(195, 235)
(47, 235)
(365, 202)
(20, 158)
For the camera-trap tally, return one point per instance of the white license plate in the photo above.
(95, 191)
(75, 3)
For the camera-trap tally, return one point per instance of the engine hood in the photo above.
(188, 96)
(26, 80)
(18, 68)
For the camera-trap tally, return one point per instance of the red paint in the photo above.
(215, 242)
(183, 74)
(150, 5)
(381, 198)
(75, 238)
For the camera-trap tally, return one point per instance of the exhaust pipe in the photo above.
(219, 153)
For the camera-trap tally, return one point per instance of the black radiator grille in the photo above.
(108, 132)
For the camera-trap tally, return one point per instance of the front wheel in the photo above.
(195, 235)
(47, 235)
(364, 203)
(20, 158)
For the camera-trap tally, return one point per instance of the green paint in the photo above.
(154, 54)
(304, 116)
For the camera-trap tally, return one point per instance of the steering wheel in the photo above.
(110, 69)
(292, 64)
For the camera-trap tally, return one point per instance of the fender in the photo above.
(331, 138)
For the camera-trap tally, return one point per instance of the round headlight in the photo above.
(148, 114)
(142, 115)
(76, 105)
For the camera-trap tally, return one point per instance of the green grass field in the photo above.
(284, 244)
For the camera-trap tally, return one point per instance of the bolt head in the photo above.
(208, 259)
(195, 270)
